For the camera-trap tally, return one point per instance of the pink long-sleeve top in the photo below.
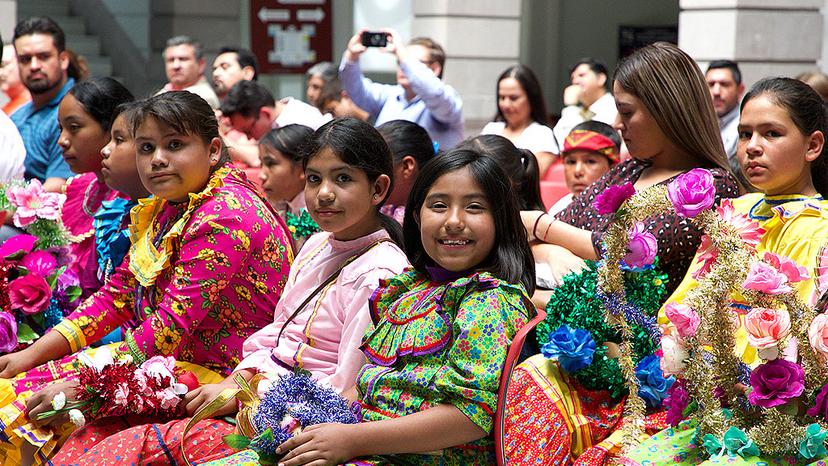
(207, 284)
(325, 336)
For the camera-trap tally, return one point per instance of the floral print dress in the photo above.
(199, 279)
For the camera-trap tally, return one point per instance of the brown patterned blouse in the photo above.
(677, 237)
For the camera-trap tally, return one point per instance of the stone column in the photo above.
(481, 39)
(8, 19)
(766, 37)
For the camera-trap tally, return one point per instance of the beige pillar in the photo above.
(8, 19)
(766, 37)
(481, 39)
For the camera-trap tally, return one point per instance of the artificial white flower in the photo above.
(59, 401)
(76, 416)
(101, 358)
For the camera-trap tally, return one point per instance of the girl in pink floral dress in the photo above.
(207, 264)
(85, 117)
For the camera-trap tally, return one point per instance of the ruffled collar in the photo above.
(150, 256)
(84, 195)
(111, 239)
(785, 207)
(413, 314)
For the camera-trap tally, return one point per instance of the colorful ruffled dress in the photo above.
(796, 227)
(435, 342)
(199, 279)
(84, 196)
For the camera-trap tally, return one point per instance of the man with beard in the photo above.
(724, 79)
(233, 64)
(40, 46)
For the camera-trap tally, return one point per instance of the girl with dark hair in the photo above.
(666, 118)
(85, 116)
(411, 147)
(521, 115)
(321, 317)
(283, 180)
(207, 264)
(782, 152)
(440, 331)
(667, 121)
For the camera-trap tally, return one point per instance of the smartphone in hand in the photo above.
(374, 39)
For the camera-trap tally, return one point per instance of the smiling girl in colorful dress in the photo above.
(440, 331)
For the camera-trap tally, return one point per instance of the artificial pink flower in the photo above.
(763, 278)
(684, 318)
(641, 248)
(692, 192)
(707, 255)
(788, 267)
(159, 367)
(39, 262)
(30, 293)
(818, 334)
(766, 327)
(609, 200)
(32, 202)
(17, 244)
(169, 399)
(122, 395)
(747, 229)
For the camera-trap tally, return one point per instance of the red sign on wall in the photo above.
(288, 36)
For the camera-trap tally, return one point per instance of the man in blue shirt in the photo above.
(41, 54)
(420, 95)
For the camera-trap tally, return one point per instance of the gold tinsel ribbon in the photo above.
(248, 396)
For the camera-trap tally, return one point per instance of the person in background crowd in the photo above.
(521, 115)
(818, 82)
(589, 151)
(251, 109)
(586, 98)
(10, 83)
(420, 95)
(12, 150)
(725, 82)
(184, 64)
(411, 148)
(335, 101)
(78, 66)
(40, 46)
(234, 64)
(318, 76)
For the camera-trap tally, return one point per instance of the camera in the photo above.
(374, 39)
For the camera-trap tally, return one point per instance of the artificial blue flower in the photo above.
(573, 348)
(653, 385)
(813, 446)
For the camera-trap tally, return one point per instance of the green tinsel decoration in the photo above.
(574, 303)
(48, 232)
(301, 226)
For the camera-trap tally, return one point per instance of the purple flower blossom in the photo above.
(775, 383)
(692, 192)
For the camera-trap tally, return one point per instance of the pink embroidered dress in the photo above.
(84, 195)
(199, 279)
(324, 338)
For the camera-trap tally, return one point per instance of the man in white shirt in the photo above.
(184, 64)
(724, 79)
(586, 98)
(252, 110)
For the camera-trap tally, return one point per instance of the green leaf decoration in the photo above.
(73, 293)
(25, 334)
(236, 442)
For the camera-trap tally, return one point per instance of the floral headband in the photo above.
(581, 139)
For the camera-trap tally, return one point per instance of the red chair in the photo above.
(555, 171)
(512, 360)
(552, 191)
(253, 175)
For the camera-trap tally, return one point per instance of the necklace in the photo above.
(99, 194)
